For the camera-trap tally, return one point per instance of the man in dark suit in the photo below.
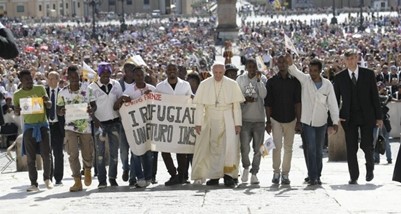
(8, 50)
(57, 132)
(360, 111)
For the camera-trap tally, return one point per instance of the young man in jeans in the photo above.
(252, 84)
(36, 129)
(317, 96)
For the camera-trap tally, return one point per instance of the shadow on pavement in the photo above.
(358, 187)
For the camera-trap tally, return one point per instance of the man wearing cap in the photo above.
(218, 123)
(252, 84)
(127, 81)
(105, 97)
(231, 71)
(360, 111)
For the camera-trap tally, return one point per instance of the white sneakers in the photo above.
(32, 188)
(254, 179)
(142, 183)
(49, 184)
(245, 176)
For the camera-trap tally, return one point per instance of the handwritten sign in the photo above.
(76, 112)
(32, 105)
(159, 122)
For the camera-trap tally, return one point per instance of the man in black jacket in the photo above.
(360, 111)
(57, 131)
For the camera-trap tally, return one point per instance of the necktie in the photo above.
(52, 110)
(353, 78)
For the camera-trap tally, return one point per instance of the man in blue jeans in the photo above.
(317, 97)
(105, 97)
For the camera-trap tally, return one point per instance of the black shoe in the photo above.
(235, 181)
(59, 182)
(369, 175)
(102, 185)
(389, 162)
(307, 179)
(172, 181)
(319, 182)
(312, 183)
(228, 181)
(132, 183)
(154, 181)
(352, 182)
(213, 182)
(113, 182)
(125, 175)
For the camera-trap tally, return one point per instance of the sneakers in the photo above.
(102, 185)
(285, 180)
(254, 179)
(49, 184)
(245, 176)
(113, 182)
(276, 178)
(142, 183)
(32, 188)
(125, 175)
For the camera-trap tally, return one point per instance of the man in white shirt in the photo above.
(56, 123)
(105, 97)
(174, 86)
(317, 97)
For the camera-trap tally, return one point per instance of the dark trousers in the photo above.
(351, 139)
(32, 148)
(155, 156)
(57, 144)
(172, 170)
(397, 168)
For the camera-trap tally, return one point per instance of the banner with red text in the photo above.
(159, 122)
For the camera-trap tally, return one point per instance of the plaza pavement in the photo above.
(335, 195)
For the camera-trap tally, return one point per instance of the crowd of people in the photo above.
(231, 111)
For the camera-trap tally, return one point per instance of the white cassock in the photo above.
(218, 111)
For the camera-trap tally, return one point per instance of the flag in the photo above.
(137, 61)
(87, 72)
(289, 45)
(261, 65)
(277, 4)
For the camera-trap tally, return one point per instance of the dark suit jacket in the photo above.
(61, 119)
(8, 47)
(367, 93)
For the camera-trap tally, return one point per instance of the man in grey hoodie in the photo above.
(252, 84)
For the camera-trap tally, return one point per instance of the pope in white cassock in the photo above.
(218, 123)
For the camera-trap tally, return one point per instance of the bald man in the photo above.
(56, 124)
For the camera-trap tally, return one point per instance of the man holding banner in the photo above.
(174, 86)
(72, 101)
(218, 121)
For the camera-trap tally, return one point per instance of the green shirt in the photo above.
(36, 91)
